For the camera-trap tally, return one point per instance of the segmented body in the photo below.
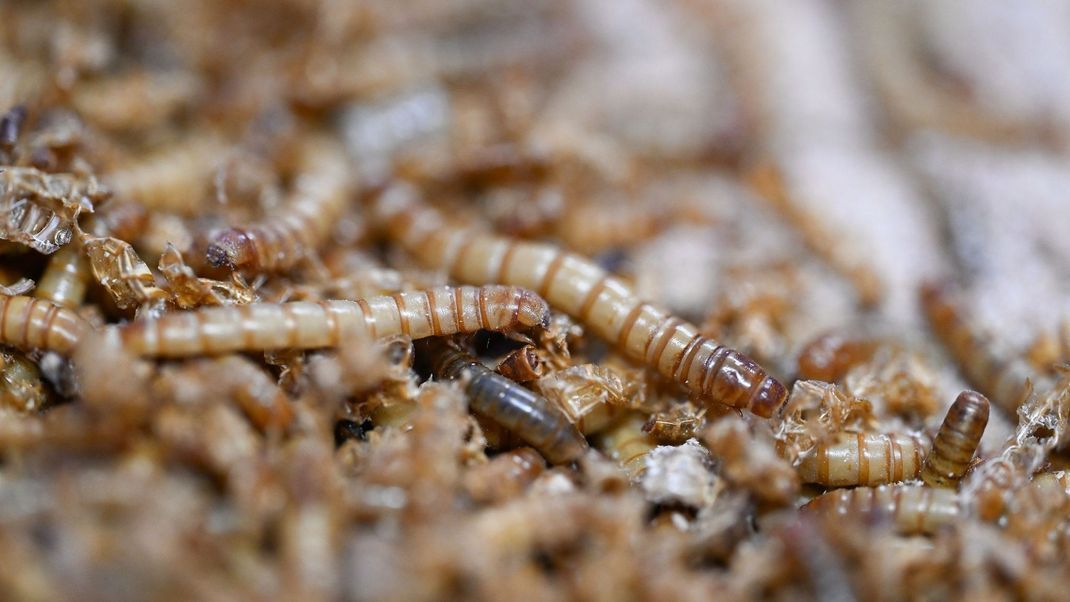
(957, 440)
(66, 278)
(529, 416)
(174, 180)
(911, 509)
(994, 371)
(28, 323)
(304, 223)
(626, 442)
(850, 459)
(308, 325)
(580, 288)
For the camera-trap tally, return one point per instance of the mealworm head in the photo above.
(231, 248)
(531, 309)
(770, 397)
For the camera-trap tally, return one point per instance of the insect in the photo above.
(506, 475)
(625, 441)
(233, 376)
(65, 279)
(174, 180)
(308, 325)
(28, 323)
(526, 414)
(583, 290)
(318, 199)
(592, 228)
(911, 509)
(522, 365)
(956, 441)
(849, 459)
(829, 357)
(993, 370)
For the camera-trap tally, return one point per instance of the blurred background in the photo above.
(772, 170)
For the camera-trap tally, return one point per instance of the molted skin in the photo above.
(529, 416)
(308, 325)
(581, 289)
(957, 440)
(851, 459)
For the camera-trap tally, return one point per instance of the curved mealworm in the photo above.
(581, 289)
(529, 416)
(912, 509)
(28, 323)
(985, 364)
(280, 242)
(626, 442)
(66, 278)
(174, 180)
(956, 441)
(522, 365)
(308, 325)
(863, 459)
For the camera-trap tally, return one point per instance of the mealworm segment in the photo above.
(583, 290)
(850, 459)
(28, 323)
(283, 240)
(309, 325)
(911, 509)
(956, 441)
(529, 416)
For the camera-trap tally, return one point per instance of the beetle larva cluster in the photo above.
(495, 299)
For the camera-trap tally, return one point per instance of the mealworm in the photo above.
(956, 441)
(911, 509)
(583, 290)
(863, 459)
(505, 476)
(174, 180)
(309, 325)
(233, 376)
(28, 323)
(66, 278)
(993, 370)
(592, 228)
(283, 240)
(530, 416)
(522, 365)
(627, 443)
(831, 356)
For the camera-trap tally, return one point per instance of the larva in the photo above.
(911, 509)
(308, 325)
(174, 180)
(850, 459)
(583, 290)
(529, 416)
(956, 441)
(28, 323)
(305, 221)
(66, 278)
(592, 228)
(993, 370)
(626, 442)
